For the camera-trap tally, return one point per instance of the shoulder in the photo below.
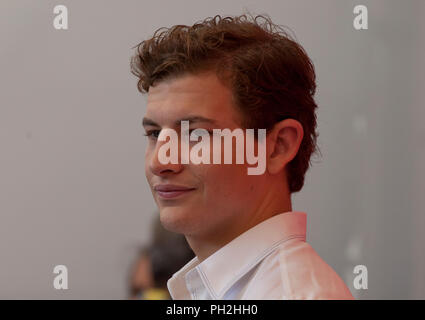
(305, 275)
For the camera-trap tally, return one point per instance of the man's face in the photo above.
(196, 199)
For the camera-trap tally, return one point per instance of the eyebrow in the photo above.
(191, 119)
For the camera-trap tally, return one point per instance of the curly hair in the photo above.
(269, 73)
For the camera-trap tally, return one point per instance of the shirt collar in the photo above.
(227, 265)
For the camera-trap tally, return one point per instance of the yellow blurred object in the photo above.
(155, 294)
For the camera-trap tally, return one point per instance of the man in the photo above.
(230, 73)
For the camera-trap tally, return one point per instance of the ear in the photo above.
(283, 143)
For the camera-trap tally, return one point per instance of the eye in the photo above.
(152, 134)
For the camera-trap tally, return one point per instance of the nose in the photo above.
(165, 158)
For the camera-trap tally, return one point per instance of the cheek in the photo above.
(148, 175)
(226, 181)
(148, 172)
(149, 153)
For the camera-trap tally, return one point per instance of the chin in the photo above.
(175, 219)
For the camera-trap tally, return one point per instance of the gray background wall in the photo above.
(72, 185)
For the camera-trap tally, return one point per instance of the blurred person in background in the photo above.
(156, 263)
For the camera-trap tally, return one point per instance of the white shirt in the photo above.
(269, 261)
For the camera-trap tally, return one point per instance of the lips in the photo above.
(170, 191)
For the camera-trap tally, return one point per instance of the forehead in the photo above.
(191, 95)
